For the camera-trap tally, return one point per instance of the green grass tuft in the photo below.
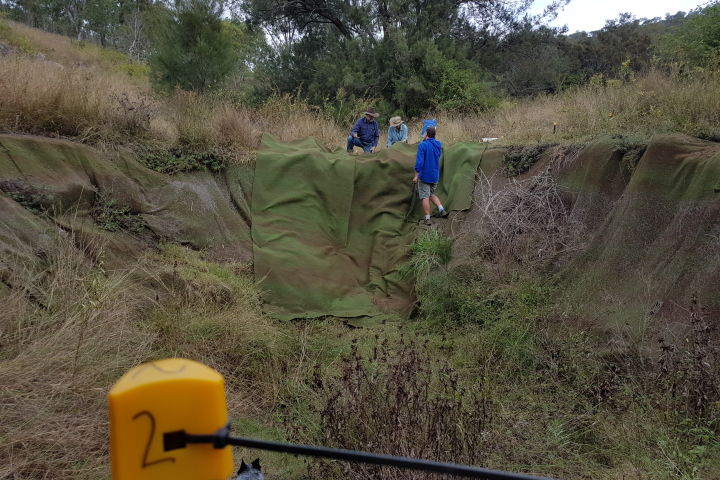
(8, 35)
(430, 250)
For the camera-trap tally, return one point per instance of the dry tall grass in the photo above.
(85, 103)
(654, 103)
(69, 330)
(103, 107)
(98, 96)
(60, 351)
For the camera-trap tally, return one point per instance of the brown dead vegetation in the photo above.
(523, 222)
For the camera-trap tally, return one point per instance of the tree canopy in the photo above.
(193, 49)
(696, 41)
(407, 56)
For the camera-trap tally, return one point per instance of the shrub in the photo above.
(177, 159)
(112, 217)
(402, 400)
(462, 90)
(519, 160)
(524, 222)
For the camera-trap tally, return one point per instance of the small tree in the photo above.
(192, 49)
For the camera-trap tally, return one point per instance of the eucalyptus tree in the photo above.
(412, 55)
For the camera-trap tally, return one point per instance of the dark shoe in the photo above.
(443, 214)
(426, 221)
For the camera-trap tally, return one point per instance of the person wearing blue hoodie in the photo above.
(427, 173)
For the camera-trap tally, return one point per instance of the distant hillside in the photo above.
(653, 27)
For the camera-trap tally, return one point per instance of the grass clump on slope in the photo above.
(63, 344)
(430, 254)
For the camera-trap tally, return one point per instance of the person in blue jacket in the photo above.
(427, 173)
(428, 123)
(365, 133)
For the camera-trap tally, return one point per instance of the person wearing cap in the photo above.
(366, 133)
(427, 173)
(398, 131)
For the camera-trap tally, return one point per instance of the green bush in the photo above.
(462, 89)
(177, 159)
(192, 49)
(697, 41)
(519, 160)
(112, 217)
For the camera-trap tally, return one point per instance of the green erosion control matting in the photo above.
(655, 229)
(331, 230)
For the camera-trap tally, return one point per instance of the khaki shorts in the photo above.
(426, 190)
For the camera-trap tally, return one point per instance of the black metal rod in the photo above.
(363, 457)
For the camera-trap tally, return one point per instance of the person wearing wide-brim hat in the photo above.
(365, 133)
(398, 131)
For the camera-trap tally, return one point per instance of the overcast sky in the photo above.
(591, 15)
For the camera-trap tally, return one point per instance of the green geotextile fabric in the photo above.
(331, 230)
(655, 228)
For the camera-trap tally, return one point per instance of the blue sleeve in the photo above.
(389, 136)
(420, 158)
(356, 128)
(377, 134)
(403, 134)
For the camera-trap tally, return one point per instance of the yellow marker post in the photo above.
(167, 396)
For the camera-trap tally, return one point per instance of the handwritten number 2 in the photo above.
(145, 461)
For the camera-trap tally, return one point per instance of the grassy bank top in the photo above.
(53, 86)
